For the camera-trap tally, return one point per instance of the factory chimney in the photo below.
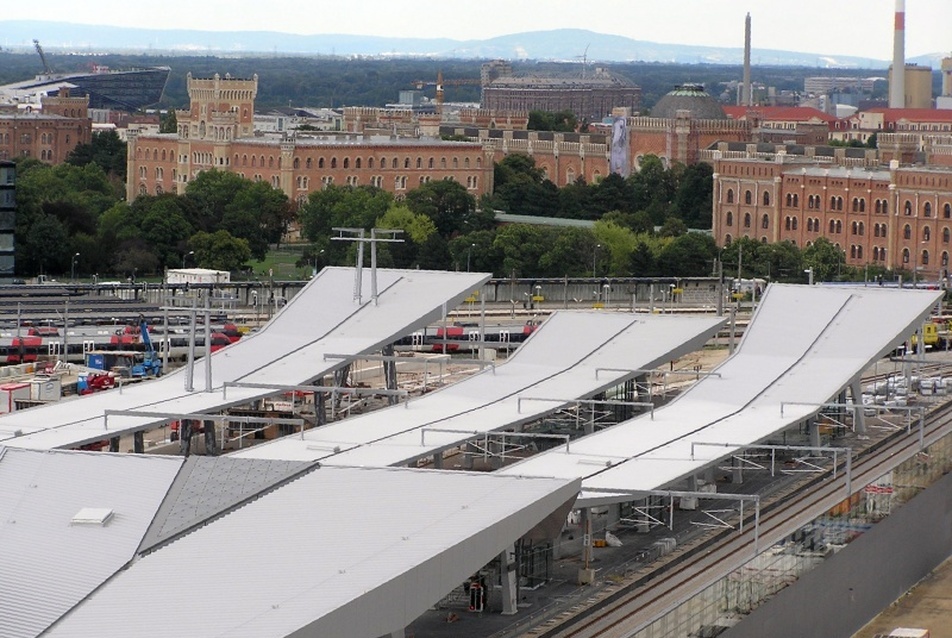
(897, 81)
(746, 93)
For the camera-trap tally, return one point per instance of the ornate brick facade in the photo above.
(49, 135)
(216, 133)
(894, 218)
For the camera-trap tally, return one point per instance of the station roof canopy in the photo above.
(572, 356)
(803, 346)
(321, 319)
(87, 539)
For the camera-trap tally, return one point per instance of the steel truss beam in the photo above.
(847, 452)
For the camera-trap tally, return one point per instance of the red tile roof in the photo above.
(779, 113)
(914, 115)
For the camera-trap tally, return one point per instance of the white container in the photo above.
(10, 393)
(46, 389)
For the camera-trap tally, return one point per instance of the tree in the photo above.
(417, 230)
(562, 121)
(446, 202)
(341, 207)
(825, 259)
(689, 255)
(211, 192)
(168, 122)
(693, 199)
(259, 214)
(106, 150)
(219, 250)
(672, 227)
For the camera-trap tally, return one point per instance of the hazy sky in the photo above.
(844, 27)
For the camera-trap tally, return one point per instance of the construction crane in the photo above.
(47, 69)
(440, 83)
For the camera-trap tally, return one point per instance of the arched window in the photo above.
(926, 234)
(905, 255)
(393, 163)
(839, 227)
(765, 222)
(924, 260)
(832, 202)
(766, 198)
(862, 205)
(852, 251)
(320, 162)
(885, 211)
(419, 162)
(945, 258)
(346, 162)
(297, 162)
(730, 219)
(946, 235)
(862, 229)
(875, 253)
(947, 211)
(787, 223)
(746, 220)
(854, 228)
(907, 208)
(907, 232)
(809, 224)
(730, 191)
(859, 252)
(832, 226)
(794, 223)
(879, 206)
(357, 163)
(856, 204)
(727, 240)
(429, 164)
(839, 203)
(748, 197)
(796, 200)
(333, 162)
(789, 199)
(927, 209)
(308, 163)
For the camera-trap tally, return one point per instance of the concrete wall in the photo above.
(846, 591)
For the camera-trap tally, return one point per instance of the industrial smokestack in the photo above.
(897, 84)
(747, 94)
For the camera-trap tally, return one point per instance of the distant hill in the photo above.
(561, 44)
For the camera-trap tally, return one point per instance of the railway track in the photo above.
(621, 610)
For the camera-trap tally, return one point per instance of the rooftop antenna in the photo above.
(584, 58)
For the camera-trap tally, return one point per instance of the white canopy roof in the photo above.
(319, 320)
(337, 552)
(572, 355)
(50, 559)
(803, 346)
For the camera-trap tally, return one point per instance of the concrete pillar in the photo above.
(390, 373)
(185, 437)
(467, 456)
(814, 432)
(114, 444)
(138, 442)
(320, 405)
(508, 576)
(859, 419)
(211, 440)
(586, 575)
(438, 460)
(737, 471)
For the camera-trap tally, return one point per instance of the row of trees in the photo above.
(644, 200)
(222, 221)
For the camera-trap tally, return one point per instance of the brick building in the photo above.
(216, 132)
(785, 124)
(897, 218)
(682, 124)
(589, 95)
(49, 134)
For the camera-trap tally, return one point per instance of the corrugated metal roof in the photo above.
(290, 350)
(572, 355)
(338, 552)
(48, 565)
(804, 344)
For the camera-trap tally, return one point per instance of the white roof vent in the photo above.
(92, 516)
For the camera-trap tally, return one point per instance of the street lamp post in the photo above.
(809, 272)
(186, 256)
(72, 268)
(469, 255)
(594, 260)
